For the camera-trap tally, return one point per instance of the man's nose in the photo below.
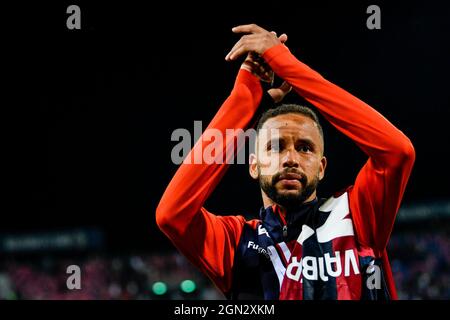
(290, 159)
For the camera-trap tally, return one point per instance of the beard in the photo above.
(288, 200)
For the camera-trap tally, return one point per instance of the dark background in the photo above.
(88, 138)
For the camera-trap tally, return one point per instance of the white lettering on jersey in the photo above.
(294, 265)
(312, 268)
(350, 260)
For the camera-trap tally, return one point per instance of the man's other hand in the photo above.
(256, 65)
(256, 40)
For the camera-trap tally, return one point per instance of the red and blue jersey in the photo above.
(310, 255)
(327, 249)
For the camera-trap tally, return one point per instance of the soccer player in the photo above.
(301, 246)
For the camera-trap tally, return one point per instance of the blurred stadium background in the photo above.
(34, 265)
(87, 143)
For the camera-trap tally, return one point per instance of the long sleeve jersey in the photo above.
(336, 247)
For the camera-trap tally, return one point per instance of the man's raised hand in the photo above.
(279, 93)
(256, 40)
(254, 64)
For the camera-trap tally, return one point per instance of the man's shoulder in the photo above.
(253, 223)
(241, 219)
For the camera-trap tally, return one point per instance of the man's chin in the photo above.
(289, 191)
(288, 200)
(289, 194)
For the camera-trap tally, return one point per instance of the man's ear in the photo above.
(323, 166)
(253, 167)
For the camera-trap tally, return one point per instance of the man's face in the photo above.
(289, 161)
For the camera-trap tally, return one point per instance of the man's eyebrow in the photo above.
(310, 142)
(275, 139)
(297, 141)
(305, 141)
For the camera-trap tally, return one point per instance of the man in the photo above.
(301, 247)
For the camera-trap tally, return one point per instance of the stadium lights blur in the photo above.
(159, 288)
(188, 286)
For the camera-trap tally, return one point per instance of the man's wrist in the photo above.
(248, 79)
(273, 52)
(247, 66)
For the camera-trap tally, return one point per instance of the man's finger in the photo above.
(247, 28)
(283, 38)
(285, 87)
(238, 52)
(242, 49)
(236, 45)
(242, 41)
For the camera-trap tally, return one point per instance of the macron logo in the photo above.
(262, 230)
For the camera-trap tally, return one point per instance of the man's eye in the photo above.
(275, 147)
(305, 148)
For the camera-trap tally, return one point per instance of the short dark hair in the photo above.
(290, 108)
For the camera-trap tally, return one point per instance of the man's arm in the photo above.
(379, 186)
(205, 239)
